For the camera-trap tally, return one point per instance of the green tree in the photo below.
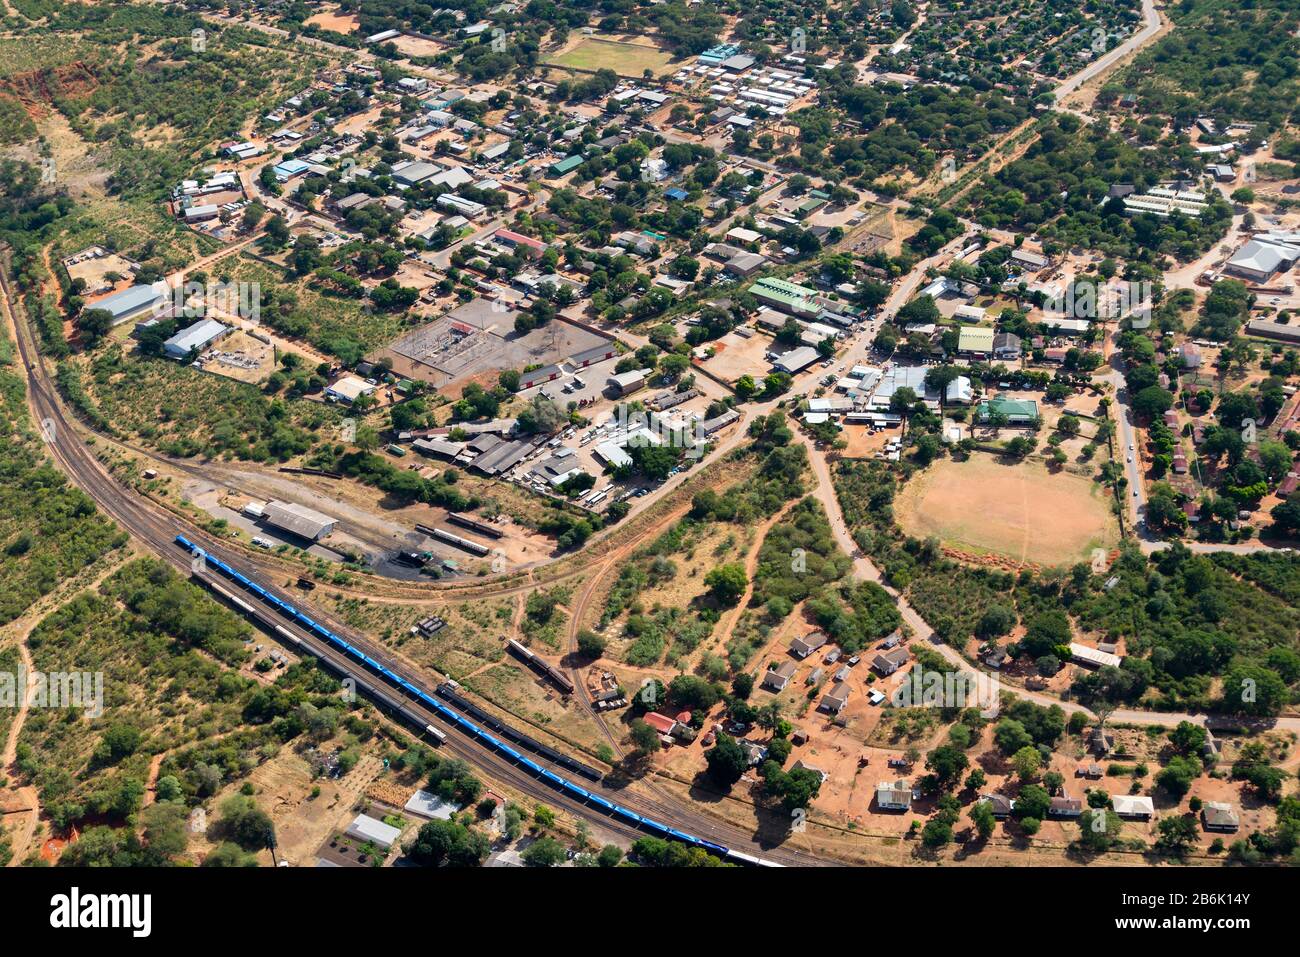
(590, 644)
(1177, 833)
(544, 852)
(1177, 776)
(727, 583)
(726, 760)
(448, 844)
(1027, 762)
(645, 739)
(611, 855)
(981, 815)
(1099, 828)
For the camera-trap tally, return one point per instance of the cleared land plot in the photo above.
(133, 226)
(1021, 511)
(96, 271)
(327, 321)
(417, 46)
(625, 59)
(735, 356)
(465, 348)
(333, 19)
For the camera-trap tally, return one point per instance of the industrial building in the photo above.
(298, 520)
(130, 303)
(348, 389)
(564, 167)
(796, 360)
(197, 337)
(625, 383)
(789, 297)
(1260, 259)
(975, 340)
(1268, 329)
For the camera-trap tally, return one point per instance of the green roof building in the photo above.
(564, 166)
(809, 206)
(1018, 412)
(784, 285)
(787, 296)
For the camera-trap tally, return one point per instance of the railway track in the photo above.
(157, 528)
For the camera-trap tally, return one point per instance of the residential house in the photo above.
(1065, 807)
(836, 699)
(1135, 807)
(999, 804)
(890, 661)
(805, 646)
(1093, 657)
(775, 679)
(1006, 346)
(1018, 413)
(802, 765)
(894, 795)
(1219, 816)
(755, 753)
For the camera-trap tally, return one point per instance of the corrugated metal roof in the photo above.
(298, 519)
(366, 828)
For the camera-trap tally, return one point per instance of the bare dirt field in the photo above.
(863, 444)
(239, 356)
(101, 273)
(1019, 510)
(332, 19)
(736, 356)
(417, 46)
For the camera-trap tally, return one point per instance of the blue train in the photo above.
(555, 780)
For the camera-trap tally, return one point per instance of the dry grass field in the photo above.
(1022, 511)
(625, 59)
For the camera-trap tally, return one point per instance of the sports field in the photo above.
(1021, 511)
(625, 59)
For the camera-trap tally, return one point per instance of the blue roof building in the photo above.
(289, 169)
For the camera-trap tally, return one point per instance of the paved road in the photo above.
(1150, 27)
(1127, 443)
